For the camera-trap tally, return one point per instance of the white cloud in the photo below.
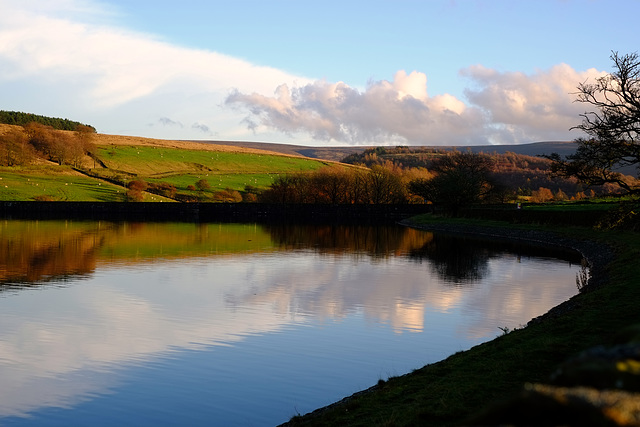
(532, 107)
(166, 121)
(86, 67)
(395, 111)
(121, 65)
(68, 58)
(506, 108)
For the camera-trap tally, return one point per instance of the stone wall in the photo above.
(211, 212)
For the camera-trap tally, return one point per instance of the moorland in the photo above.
(39, 162)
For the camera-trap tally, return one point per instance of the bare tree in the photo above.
(461, 179)
(613, 128)
(384, 186)
(15, 149)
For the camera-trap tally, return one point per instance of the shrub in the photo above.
(228, 195)
(541, 195)
(560, 196)
(135, 196)
(378, 185)
(249, 197)
(163, 189)
(203, 185)
(137, 185)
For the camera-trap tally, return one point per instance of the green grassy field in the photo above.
(159, 162)
(54, 183)
(181, 168)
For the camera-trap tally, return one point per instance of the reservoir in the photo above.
(218, 324)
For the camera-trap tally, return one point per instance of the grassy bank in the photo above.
(449, 392)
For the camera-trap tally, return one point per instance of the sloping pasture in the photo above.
(55, 183)
(182, 168)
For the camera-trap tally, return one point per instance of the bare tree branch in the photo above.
(613, 127)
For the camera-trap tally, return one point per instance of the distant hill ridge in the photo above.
(563, 148)
(338, 153)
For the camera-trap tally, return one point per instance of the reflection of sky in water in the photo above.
(250, 338)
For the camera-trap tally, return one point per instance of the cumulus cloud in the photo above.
(68, 58)
(386, 111)
(528, 107)
(504, 108)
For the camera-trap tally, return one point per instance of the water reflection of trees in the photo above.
(455, 260)
(45, 255)
(463, 260)
(32, 251)
(56, 251)
(375, 241)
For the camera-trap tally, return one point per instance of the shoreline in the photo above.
(597, 254)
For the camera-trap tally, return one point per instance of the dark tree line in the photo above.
(377, 185)
(519, 173)
(18, 118)
(454, 181)
(461, 179)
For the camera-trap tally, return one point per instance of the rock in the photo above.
(548, 405)
(598, 387)
(602, 368)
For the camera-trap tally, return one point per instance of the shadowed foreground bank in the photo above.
(577, 365)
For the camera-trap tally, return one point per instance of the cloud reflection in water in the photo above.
(137, 292)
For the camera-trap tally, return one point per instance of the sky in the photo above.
(350, 72)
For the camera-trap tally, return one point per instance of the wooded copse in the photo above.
(24, 146)
(453, 180)
(18, 118)
(493, 178)
(375, 185)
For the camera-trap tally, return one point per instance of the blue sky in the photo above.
(314, 73)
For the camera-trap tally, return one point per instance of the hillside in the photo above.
(18, 118)
(39, 162)
(119, 168)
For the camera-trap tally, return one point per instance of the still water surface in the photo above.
(167, 324)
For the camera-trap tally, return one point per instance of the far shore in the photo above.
(212, 212)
